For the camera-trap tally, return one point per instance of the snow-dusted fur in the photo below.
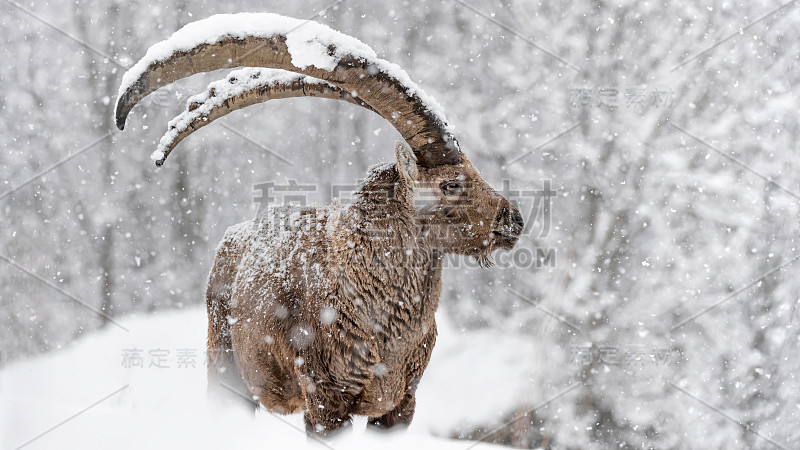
(331, 309)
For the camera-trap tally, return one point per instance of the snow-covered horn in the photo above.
(240, 89)
(303, 47)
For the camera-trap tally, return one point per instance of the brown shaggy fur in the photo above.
(330, 309)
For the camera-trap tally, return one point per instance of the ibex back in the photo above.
(330, 309)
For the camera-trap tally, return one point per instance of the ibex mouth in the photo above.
(506, 235)
(505, 240)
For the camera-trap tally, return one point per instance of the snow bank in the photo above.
(474, 379)
(308, 43)
(167, 407)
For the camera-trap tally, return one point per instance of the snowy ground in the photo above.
(166, 407)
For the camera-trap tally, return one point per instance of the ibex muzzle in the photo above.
(337, 317)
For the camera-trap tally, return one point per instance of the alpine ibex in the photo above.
(333, 313)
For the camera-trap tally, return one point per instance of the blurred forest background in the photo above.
(667, 315)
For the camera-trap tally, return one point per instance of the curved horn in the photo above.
(308, 48)
(240, 89)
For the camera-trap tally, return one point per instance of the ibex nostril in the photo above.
(502, 215)
(516, 218)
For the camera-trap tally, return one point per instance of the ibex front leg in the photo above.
(329, 391)
(400, 415)
(328, 409)
(404, 411)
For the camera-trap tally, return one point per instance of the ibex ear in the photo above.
(406, 164)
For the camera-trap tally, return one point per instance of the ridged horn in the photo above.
(303, 47)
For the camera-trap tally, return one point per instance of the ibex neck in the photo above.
(384, 209)
(384, 238)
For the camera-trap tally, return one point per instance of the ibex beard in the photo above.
(333, 313)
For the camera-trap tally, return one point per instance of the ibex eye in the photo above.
(451, 188)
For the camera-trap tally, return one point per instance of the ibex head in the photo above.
(455, 208)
